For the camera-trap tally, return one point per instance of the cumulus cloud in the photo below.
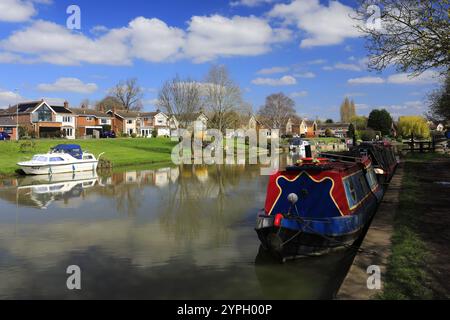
(68, 85)
(205, 39)
(428, 77)
(16, 10)
(8, 98)
(249, 3)
(307, 75)
(299, 94)
(214, 36)
(283, 81)
(323, 25)
(273, 70)
(366, 80)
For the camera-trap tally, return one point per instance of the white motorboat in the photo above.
(61, 159)
(298, 145)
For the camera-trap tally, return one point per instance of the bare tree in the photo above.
(180, 98)
(129, 93)
(109, 103)
(411, 34)
(277, 110)
(222, 96)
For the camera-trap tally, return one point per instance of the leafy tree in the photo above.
(360, 122)
(440, 103)
(348, 110)
(351, 131)
(380, 120)
(415, 125)
(329, 121)
(277, 110)
(412, 35)
(328, 133)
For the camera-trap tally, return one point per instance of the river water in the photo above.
(168, 233)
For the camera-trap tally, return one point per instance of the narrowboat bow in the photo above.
(318, 205)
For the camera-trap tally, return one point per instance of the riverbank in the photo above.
(419, 267)
(410, 234)
(120, 152)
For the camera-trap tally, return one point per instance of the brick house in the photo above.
(339, 130)
(42, 119)
(9, 125)
(88, 121)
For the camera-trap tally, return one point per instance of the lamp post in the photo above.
(17, 113)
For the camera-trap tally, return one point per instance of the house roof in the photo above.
(310, 123)
(60, 109)
(6, 121)
(128, 114)
(89, 112)
(334, 125)
(25, 107)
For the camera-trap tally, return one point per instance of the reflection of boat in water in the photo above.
(36, 191)
(60, 159)
(318, 205)
(315, 278)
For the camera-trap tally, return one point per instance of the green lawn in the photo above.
(120, 152)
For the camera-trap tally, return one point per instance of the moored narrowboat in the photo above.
(318, 205)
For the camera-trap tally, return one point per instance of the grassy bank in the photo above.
(121, 152)
(408, 272)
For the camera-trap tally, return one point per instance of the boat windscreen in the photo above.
(73, 149)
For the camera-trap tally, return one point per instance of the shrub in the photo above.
(154, 133)
(27, 146)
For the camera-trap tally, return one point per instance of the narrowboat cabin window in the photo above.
(371, 178)
(350, 191)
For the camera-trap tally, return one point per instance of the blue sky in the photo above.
(308, 49)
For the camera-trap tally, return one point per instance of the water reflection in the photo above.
(178, 232)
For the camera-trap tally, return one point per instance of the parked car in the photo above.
(4, 136)
(108, 135)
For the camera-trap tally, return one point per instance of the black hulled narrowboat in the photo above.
(318, 205)
(382, 155)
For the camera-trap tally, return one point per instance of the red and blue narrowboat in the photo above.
(318, 205)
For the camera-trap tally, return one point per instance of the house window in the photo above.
(67, 132)
(89, 118)
(104, 121)
(129, 121)
(67, 119)
(160, 121)
(44, 114)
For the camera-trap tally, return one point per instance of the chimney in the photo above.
(66, 104)
(158, 111)
(83, 106)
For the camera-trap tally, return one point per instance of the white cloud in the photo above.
(68, 85)
(307, 75)
(428, 77)
(249, 3)
(206, 38)
(8, 98)
(152, 40)
(356, 65)
(214, 36)
(16, 10)
(283, 81)
(299, 94)
(323, 25)
(317, 61)
(366, 80)
(273, 70)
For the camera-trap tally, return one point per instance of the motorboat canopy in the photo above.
(73, 149)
